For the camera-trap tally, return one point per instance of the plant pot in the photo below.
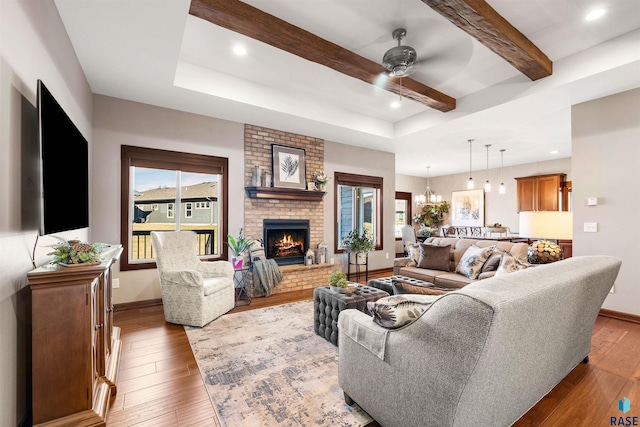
(361, 258)
(237, 263)
(348, 290)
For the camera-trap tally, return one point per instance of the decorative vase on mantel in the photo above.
(320, 186)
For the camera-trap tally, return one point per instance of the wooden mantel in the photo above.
(283, 193)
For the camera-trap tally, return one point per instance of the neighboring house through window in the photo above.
(156, 184)
(358, 201)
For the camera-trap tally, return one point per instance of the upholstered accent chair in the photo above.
(408, 236)
(193, 292)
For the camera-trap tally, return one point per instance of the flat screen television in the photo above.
(64, 153)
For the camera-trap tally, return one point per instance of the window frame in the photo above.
(354, 180)
(407, 197)
(171, 160)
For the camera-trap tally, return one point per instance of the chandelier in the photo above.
(428, 196)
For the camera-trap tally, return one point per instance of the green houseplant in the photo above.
(238, 246)
(431, 216)
(74, 252)
(359, 244)
(338, 279)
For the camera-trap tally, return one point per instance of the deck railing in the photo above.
(141, 243)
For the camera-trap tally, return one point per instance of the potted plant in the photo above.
(338, 282)
(320, 179)
(238, 246)
(431, 217)
(75, 252)
(359, 244)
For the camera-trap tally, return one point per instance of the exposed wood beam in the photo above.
(245, 19)
(482, 22)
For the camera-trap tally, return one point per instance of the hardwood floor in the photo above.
(159, 383)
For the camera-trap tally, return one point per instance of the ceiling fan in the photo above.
(400, 60)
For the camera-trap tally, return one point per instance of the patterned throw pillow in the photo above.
(473, 259)
(399, 310)
(434, 257)
(413, 251)
(509, 264)
(257, 252)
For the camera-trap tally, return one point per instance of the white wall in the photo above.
(606, 158)
(34, 45)
(350, 159)
(118, 122)
(499, 208)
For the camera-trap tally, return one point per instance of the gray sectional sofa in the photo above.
(450, 279)
(482, 355)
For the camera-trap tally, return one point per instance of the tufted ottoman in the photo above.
(384, 283)
(328, 304)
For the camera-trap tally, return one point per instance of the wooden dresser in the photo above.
(76, 348)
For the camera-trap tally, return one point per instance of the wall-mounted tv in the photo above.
(65, 168)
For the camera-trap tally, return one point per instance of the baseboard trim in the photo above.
(137, 304)
(620, 315)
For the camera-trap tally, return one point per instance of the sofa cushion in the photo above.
(424, 274)
(402, 286)
(471, 263)
(452, 280)
(399, 310)
(434, 257)
(509, 264)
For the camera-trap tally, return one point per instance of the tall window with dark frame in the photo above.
(160, 189)
(358, 206)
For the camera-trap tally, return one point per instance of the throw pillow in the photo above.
(257, 252)
(395, 311)
(492, 263)
(413, 251)
(473, 259)
(434, 257)
(509, 264)
(400, 287)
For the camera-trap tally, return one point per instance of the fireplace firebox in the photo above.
(286, 240)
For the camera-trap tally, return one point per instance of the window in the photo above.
(403, 212)
(156, 184)
(358, 202)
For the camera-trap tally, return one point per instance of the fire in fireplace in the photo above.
(286, 240)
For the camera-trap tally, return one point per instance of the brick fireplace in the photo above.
(257, 152)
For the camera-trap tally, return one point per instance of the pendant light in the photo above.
(487, 184)
(470, 184)
(428, 196)
(502, 189)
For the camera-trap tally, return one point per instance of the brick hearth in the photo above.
(257, 152)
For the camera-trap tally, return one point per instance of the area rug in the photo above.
(267, 367)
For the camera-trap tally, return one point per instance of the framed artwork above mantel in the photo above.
(467, 208)
(289, 167)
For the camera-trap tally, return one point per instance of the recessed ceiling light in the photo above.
(555, 152)
(239, 50)
(395, 104)
(595, 14)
